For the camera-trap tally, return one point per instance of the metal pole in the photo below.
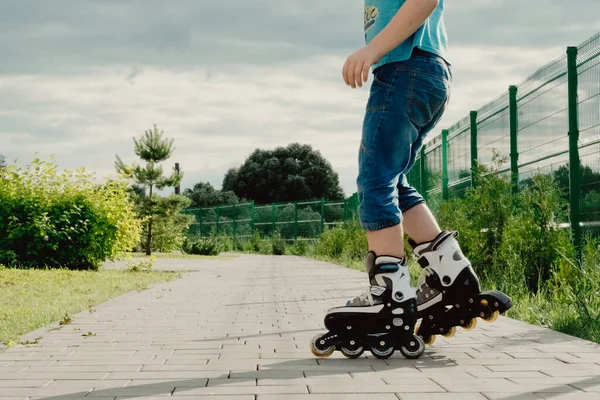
(514, 128)
(473, 147)
(445, 164)
(295, 220)
(201, 223)
(322, 215)
(234, 229)
(273, 219)
(252, 216)
(217, 220)
(574, 164)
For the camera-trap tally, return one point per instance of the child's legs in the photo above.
(406, 101)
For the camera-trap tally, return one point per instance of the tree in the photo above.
(295, 172)
(204, 195)
(2, 161)
(152, 149)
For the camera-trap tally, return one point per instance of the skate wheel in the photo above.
(429, 339)
(318, 349)
(470, 325)
(493, 317)
(451, 332)
(382, 352)
(414, 349)
(352, 353)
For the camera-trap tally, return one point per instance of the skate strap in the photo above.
(420, 249)
(388, 260)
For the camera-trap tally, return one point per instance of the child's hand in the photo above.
(356, 68)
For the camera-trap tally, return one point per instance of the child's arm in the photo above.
(406, 22)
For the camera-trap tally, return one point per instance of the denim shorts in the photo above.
(406, 101)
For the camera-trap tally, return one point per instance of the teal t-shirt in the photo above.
(431, 36)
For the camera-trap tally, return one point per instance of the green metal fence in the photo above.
(301, 220)
(550, 123)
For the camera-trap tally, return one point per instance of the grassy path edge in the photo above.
(31, 338)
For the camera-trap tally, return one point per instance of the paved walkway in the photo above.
(239, 329)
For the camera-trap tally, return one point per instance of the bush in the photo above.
(299, 248)
(278, 244)
(168, 232)
(203, 247)
(532, 242)
(63, 219)
(347, 242)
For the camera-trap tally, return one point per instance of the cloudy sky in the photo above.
(79, 78)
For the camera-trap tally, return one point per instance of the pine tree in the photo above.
(153, 149)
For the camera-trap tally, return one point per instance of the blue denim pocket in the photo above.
(430, 94)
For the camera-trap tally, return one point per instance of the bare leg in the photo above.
(420, 224)
(387, 242)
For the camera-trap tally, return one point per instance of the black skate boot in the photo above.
(448, 293)
(381, 320)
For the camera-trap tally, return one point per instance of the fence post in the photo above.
(445, 164)
(295, 220)
(201, 223)
(514, 128)
(574, 165)
(473, 146)
(252, 217)
(273, 219)
(217, 220)
(423, 168)
(234, 229)
(322, 215)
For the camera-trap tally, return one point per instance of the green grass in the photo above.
(31, 299)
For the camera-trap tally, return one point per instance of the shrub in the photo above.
(63, 219)
(205, 248)
(278, 244)
(299, 248)
(168, 232)
(532, 242)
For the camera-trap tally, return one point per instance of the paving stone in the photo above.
(230, 390)
(239, 329)
(440, 396)
(312, 396)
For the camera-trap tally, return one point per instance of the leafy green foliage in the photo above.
(62, 219)
(296, 172)
(347, 241)
(532, 242)
(141, 265)
(204, 247)
(170, 225)
(278, 244)
(203, 194)
(2, 161)
(299, 248)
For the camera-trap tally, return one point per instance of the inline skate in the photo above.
(381, 320)
(448, 292)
